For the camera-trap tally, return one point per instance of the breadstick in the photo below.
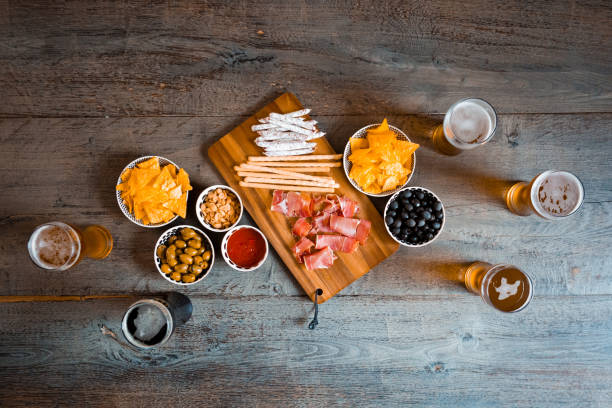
(266, 175)
(290, 182)
(287, 188)
(291, 174)
(294, 169)
(293, 158)
(300, 164)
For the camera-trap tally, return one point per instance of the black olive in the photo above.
(395, 231)
(404, 229)
(393, 205)
(420, 222)
(397, 224)
(391, 214)
(430, 236)
(436, 225)
(427, 215)
(411, 223)
(420, 195)
(437, 206)
(403, 236)
(407, 194)
(440, 215)
(389, 220)
(405, 215)
(413, 239)
(416, 203)
(409, 207)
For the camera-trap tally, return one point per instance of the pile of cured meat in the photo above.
(287, 134)
(325, 223)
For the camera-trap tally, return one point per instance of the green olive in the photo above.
(165, 268)
(197, 237)
(197, 260)
(186, 259)
(200, 251)
(204, 265)
(190, 251)
(196, 269)
(180, 243)
(172, 262)
(188, 278)
(172, 239)
(179, 252)
(195, 243)
(171, 249)
(181, 268)
(206, 256)
(176, 276)
(187, 233)
(161, 250)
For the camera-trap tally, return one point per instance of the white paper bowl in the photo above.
(415, 188)
(163, 239)
(201, 199)
(162, 162)
(360, 134)
(226, 257)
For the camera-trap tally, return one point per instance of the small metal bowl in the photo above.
(226, 257)
(162, 162)
(163, 239)
(404, 243)
(360, 134)
(201, 199)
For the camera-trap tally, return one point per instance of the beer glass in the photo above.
(505, 287)
(150, 322)
(469, 123)
(59, 246)
(551, 195)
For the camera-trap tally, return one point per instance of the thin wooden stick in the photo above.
(291, 174)
(298, 164)
(290, 182)
(297, 158)
(287, 188)
(265, 175)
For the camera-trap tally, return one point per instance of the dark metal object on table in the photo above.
(315, 320)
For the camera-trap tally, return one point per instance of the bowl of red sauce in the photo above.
(244, 248)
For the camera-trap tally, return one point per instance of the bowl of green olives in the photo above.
(184, 255)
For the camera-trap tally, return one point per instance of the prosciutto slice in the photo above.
(321, 224)
(301, 248)
(302, 227)
(351, 227)
(323, 258)
(291, 204)
(336, 243)
(348, 207)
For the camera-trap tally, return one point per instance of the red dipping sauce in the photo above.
(246, 247)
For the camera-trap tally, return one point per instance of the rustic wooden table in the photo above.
(88, 86)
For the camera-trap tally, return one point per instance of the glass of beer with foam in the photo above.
(59, 246)
(469, 123)
(551, 195)
(505, 287)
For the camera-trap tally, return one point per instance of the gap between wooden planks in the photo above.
(66, 298)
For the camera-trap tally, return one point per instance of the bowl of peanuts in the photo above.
(219, 208)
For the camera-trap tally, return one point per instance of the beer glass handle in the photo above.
(315, 321)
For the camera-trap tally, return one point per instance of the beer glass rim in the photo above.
(533, 192)
(64, 227)
(165, 311)
(495, 268)
(467, 146)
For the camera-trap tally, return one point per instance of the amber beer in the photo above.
(505, 287)
(551, 195)
(468, 123)
(59, 246)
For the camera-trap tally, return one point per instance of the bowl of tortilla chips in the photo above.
(379, 159)
(152, 191)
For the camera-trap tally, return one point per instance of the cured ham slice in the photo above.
(351, 227)
(301, 248)
(336, 243)
(327, 204)
(302, 227)
(321, 224)
(323, 258)
(291, 204)
(348, 207)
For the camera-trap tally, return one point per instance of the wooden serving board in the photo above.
(234, 148)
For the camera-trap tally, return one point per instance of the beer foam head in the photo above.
(470, 122)
(557, 193)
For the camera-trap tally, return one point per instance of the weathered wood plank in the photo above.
(70, 173)
(213, 57)
(367, 351)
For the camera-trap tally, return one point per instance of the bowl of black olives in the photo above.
(414, 216)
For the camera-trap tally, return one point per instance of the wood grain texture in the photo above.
(68, 171)
(205, 57)
(368, 351)
(234, 149)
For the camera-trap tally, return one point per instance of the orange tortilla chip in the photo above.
(152, 163)
(183, 179)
